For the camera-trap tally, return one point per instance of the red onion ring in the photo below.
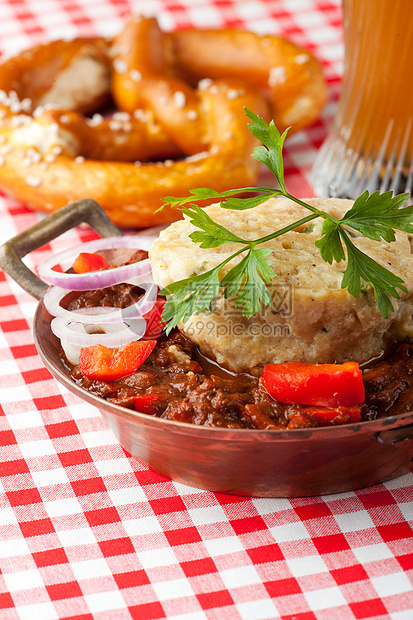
(55, 294)
(147, 302)
(96, 279)
(114, 336)
(117, 326)
(75, 336)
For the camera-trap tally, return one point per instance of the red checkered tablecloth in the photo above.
(87, 532)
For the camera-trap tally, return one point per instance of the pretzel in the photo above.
(55, 147)
(289, 76)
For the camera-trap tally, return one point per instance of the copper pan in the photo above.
(255, 463)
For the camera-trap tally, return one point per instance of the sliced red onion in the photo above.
(55, 294)
(84, 335)
(96, 279)
(117, 326)
(72, 351)
(147, 302)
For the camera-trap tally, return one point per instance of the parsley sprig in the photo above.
(375, 216)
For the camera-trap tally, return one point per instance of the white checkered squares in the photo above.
(264, 609)
(239, 577)
(13, 547)
(89, 569)
(79, 536)
(400, 482)
(141, 526)
(354, 521)
(372, 553)
(405, 614)
(325, 598)
(45, 611)
(7, 514)
(49, 477)
(63, 506)
(310, 565)
(105, 602)
(289, 531)
(389, 585)
(207, 515)
(175, 588)
(33, 449)
(192, 615)
(157, 557)
(223, 546)
(18, 581)
(268, 505)
(129, 495)
(207, 17)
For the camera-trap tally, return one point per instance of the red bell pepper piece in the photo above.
(329, 385)
(153, 318)
(146, 403)
(103, 364)
(325, 416)
(297, 420)
(86, 262)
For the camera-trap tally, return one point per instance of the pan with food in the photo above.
(252, 414)
(256, 462)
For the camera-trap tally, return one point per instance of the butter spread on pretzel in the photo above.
(179, 121)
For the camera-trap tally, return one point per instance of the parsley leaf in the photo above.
(211, 235)
(271, 153)
(329, 244)
(246, 280)
(241, 204)
(205, 193)
(376, 215)
(190, 296)
(362, 267)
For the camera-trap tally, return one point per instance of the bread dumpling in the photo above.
(311, 318)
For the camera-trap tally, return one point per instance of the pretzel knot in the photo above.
(179, 120)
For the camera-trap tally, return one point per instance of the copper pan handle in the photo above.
(49, 228)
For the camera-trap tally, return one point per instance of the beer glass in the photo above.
(370, 145)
